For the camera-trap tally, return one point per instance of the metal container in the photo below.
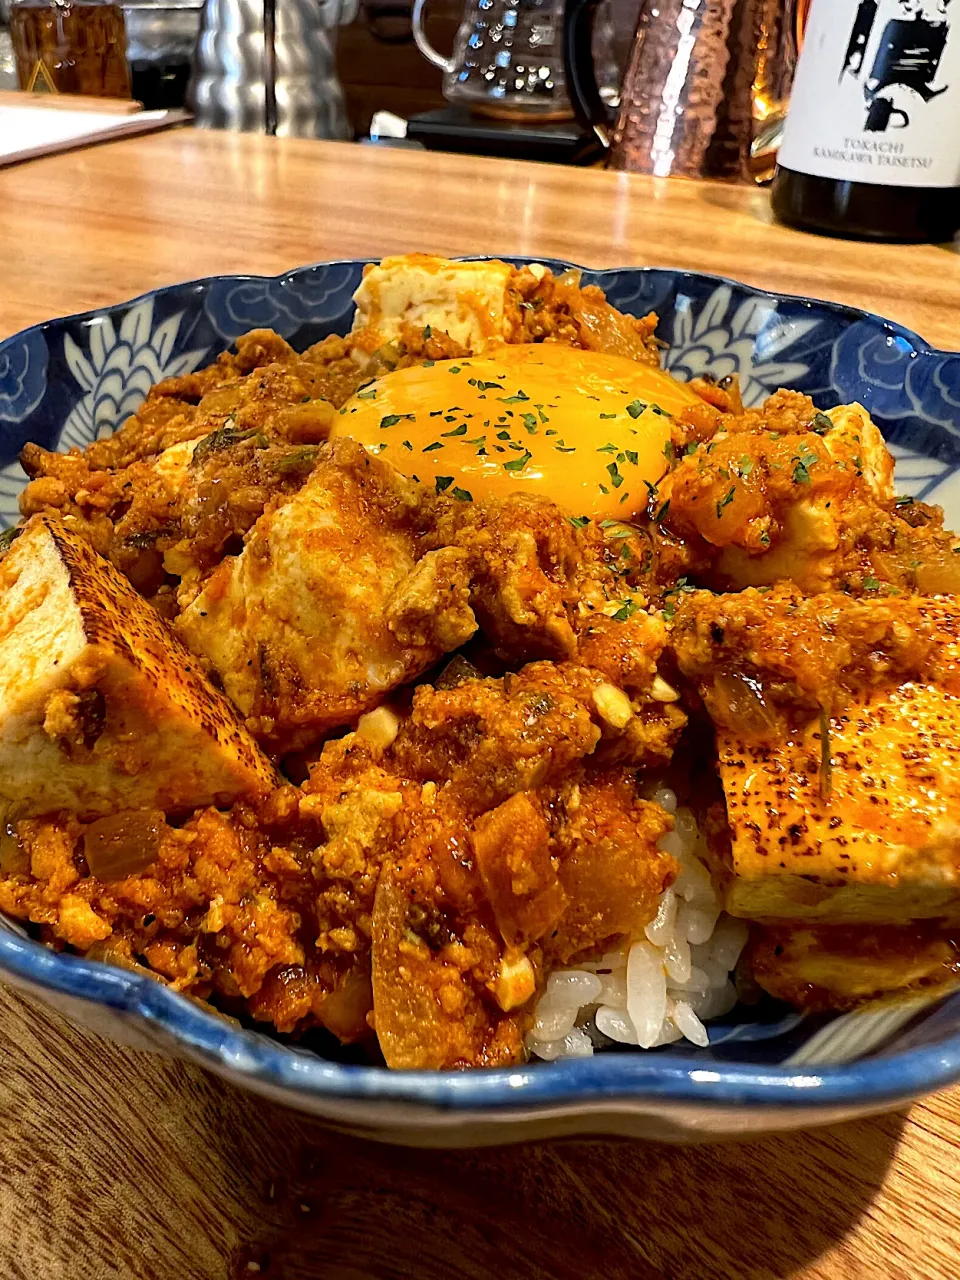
(268, 66)
(8, 63)
(160, 30)
(705, 89)
(161, 41)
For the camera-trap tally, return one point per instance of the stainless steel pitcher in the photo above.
(268, 66)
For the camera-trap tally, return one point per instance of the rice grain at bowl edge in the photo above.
(657, 989)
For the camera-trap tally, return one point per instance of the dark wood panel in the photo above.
(393, 76)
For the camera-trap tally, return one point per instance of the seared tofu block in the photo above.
(838, 967)
(101, 707)
(332, 602)
(467, 300)
(838, 743)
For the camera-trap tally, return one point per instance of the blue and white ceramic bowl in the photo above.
(69, 381)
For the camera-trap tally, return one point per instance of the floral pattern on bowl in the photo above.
(69, 381)
(119, 368)
(725, 337)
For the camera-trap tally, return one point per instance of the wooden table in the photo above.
(119, 1164)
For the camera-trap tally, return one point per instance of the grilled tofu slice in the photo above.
(840, 966)
(467, 300)
(838, 743)
(101, 707)
(882, 845)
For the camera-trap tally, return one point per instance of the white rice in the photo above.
(658, 989)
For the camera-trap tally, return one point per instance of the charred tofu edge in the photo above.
(71, 626)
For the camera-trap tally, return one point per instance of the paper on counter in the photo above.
(28, 131)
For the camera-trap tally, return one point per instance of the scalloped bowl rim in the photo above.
(922, 345)
(603, 1078)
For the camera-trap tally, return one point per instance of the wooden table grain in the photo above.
(124, 1165)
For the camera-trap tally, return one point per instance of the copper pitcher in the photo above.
(705, 90)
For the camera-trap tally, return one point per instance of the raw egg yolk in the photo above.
(587, 430)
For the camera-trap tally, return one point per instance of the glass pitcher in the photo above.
(507, 58)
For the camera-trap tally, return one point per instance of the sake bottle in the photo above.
(871, 144)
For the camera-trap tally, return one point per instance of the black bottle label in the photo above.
(876, 96)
